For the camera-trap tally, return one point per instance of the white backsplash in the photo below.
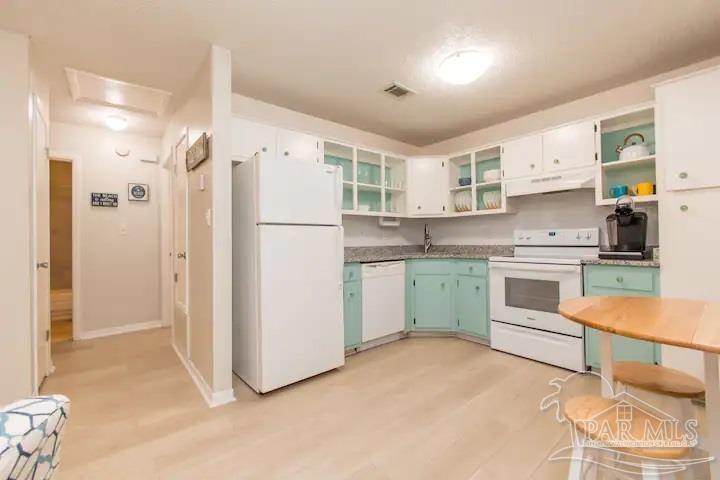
(575, 209)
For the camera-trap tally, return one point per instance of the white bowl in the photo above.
(491, 175)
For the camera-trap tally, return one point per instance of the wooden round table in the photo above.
(690, 324)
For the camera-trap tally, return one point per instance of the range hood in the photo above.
(552, 182)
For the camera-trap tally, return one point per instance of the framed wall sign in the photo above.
(138, 192)
(198, 152)
(103, 199)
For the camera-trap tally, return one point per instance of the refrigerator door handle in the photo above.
(341, 254)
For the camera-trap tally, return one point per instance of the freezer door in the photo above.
(299, 193)
(301, 315)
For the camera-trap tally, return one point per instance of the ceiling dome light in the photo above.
(116, 122)
(465, 66)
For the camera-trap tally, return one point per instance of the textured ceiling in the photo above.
(331, 58)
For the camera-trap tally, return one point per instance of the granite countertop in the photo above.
(405, 252)
(627, 263)
(477, 252)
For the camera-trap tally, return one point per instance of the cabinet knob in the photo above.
(683, 175)
(620, 279)
(471, 268)
(683, 208)
(556, 161)
(351, 274)
(477, 288)
(442, 285)
(419, 207)
(286, 153)
(532, 165)
(264, 149)
(352, 294)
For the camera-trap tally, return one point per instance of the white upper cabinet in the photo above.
(688, 125)
(426, 196)
(249, 138)
(570, 146)
(298, 146)
(522, 157)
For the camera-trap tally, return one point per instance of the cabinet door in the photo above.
(620, 281)
(432, 302)
(689, 115)
(522, 157)
(624, 349)
(571, 146)
(249, 138)
(471, 305)
(428, 195)
(298, 146)
(352, 310)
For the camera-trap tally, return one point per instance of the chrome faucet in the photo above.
(428, 239)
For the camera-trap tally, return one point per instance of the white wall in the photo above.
(205, 107)
(119, 247)
(15, 255)
(574, 209)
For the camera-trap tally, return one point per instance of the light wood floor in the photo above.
(421, 408)
(61, 331)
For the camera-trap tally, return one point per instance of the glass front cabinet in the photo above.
(374, 183)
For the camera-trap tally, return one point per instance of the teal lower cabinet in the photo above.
(448, 295)
(611, 280)
(352, 305)
(471, 305)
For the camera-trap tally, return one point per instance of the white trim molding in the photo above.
(213, 399)
(106, 332)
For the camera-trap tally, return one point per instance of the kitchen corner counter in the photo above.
(625, 263)
(407, 252)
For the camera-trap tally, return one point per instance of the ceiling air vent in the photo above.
(397, 90)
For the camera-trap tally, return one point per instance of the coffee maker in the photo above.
(627, 232)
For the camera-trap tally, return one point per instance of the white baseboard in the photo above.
(213, 399)
(106, 332)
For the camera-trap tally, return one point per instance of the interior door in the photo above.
(571, 146)
(42, 245)
(522, 157)
(180, 315)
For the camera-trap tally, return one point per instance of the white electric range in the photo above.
(525, 291)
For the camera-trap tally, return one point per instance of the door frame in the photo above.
(184, 138)
(34, 328)
(75, 160)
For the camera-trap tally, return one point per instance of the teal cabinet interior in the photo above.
(614, 280)
(352, 304)
(448, 295)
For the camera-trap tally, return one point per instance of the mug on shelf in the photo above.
(644, 188)
(617, 191)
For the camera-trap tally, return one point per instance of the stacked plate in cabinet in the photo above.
(463, 201)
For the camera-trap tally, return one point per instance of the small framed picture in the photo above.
(138, 192)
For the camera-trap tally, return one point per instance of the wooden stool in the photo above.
(661, 380)
(581, 410)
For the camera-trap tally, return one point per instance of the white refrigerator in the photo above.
(287, 271)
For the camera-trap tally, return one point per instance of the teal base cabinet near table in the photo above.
(612, 280)
(352, 304)
(447, 295)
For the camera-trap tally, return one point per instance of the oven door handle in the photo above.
(535, 267)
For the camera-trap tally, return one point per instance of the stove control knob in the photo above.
(578, 236)
(588, 236)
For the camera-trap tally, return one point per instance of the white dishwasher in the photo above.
(383, 299)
